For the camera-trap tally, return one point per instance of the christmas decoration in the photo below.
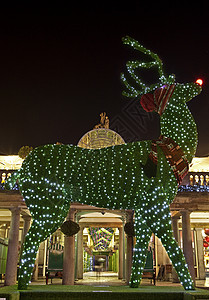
(69, 228)
(194, 188)
(101, 237)
(129, 229)
(24, 151)
(199, 81)
(114, 177)
(173, 154)
(205, 244)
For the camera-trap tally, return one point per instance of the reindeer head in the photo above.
(165, 97)
(159, 100)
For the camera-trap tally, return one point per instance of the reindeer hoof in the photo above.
(134, 284)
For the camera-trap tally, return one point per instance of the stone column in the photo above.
(187, 242)
(175, 227)
(69, 256)
(129, 253)
(13, 245)
(156, 256)
(200, 254)
(45, 257)
(121, 233)
(27, 220)
(35, 274)
(129, 256)
(124, 254)
(80, 253)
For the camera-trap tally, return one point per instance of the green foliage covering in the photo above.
(24, 151)
(54, 175)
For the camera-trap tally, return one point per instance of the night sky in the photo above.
(59, 71)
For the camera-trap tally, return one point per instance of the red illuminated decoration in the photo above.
(199, 81)
(205, 244)
(207, 231)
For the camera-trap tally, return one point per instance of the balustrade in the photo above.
(4, 174)
(201, 179)
(192, 179)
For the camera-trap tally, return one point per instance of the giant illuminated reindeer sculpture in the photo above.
(143, 175)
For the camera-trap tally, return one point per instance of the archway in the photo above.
(100, 249)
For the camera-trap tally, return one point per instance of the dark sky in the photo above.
(59, 71)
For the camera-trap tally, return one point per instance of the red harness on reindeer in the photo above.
(172, 151)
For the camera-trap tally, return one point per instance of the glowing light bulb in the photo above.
(199, 81)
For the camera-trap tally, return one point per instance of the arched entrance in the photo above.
(100, 246)
(101, 238)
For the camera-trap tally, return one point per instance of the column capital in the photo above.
(72, 210)
(122, 219)
(198, 229)
(185, 212)
(82, 226)
(71, 214)
(15, 210)
(26, 217)
(175, 217)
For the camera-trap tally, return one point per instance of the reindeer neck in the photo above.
(177, 123)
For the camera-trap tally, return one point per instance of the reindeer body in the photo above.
(94, 177)
(52, 176)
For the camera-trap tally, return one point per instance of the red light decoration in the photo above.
(199, 81)
(207, 231)
(205, 244)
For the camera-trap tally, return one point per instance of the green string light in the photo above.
(52, 176)
(156, 63)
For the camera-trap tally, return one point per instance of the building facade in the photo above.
(102, 235)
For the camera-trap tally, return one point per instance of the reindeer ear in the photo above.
(147, 102)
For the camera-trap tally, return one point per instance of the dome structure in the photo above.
(100, 138)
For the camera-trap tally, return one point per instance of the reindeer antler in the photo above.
(132, 65)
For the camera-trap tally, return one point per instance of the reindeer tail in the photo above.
(12, 180)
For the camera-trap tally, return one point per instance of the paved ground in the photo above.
(102, 278)
(111, 279)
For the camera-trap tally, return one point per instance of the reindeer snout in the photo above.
(191, 90)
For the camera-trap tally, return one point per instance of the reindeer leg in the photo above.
(143, 234)
(28, 257)
(44, 224)
(165, 233)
